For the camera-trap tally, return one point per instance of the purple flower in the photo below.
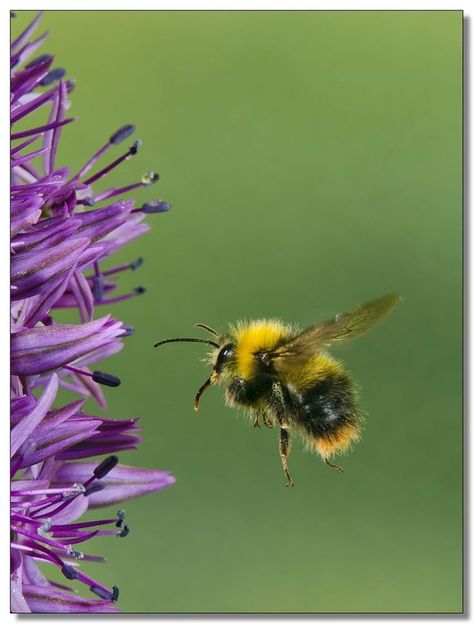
(61, 232)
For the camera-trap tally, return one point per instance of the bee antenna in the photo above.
(204, 386)
(207, 328)
(211, 342)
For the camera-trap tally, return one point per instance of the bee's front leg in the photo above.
(256, 419)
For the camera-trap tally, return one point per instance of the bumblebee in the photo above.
(284, 377)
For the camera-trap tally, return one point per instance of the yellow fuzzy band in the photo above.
(250, 338)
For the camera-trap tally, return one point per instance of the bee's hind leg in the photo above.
(335, 466)
(284, 452)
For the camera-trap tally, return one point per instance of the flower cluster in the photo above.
(61, 232)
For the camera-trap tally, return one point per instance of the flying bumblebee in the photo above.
(284, 377)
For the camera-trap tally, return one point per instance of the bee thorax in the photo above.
(247, 392)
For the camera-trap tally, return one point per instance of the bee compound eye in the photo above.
(225, 355)
(227, 352)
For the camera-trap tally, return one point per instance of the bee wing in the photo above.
(344, 326)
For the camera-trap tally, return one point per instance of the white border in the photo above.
(4, 247)
(184, 5)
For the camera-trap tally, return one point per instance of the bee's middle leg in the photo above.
(267, 421)
(284, 448)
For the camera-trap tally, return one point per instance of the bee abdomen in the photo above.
(327, 412)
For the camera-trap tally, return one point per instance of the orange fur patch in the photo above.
(337, 442)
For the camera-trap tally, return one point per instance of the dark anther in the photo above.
(98, 287)
(88, 201)
(92, 489)
(155, 205)
(38, 60)
(148, 179)
(121, 134)
(135, 147)
(52, 76)
(69, 572)
(129, 330)
(105, 466)
(115, 593)
(105, 379)
(120, 517)
(136, 263)
(124, 532)
(140, 290)
(105, 594)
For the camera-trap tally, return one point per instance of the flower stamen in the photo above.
(132, 150)
(154, 206)
(98, 376)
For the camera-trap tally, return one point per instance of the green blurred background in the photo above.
(313, 160)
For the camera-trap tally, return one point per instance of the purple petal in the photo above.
(26, 80)
(102, 443)
(27, 50)
(25, 427)
(51, 442)
(49, 232)
(123, 482)
(33, 272)
(24, 212)
(48, 600)
(98, 223)
(102, 353)
(41, 349)
(41, 305)
(18, 603)
(21, 407)
(29, 103)
(74, 510)
(57, 416)
(57, 431)
(129, 230)
(83, 295)
(87, 386)
(20, 485)
(29, 30)
(51, 138)
(50, 337)
(32, 574)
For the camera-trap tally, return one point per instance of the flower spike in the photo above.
(61, 234)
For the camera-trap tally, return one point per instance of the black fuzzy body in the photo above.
(325, 407)
(320, 409)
